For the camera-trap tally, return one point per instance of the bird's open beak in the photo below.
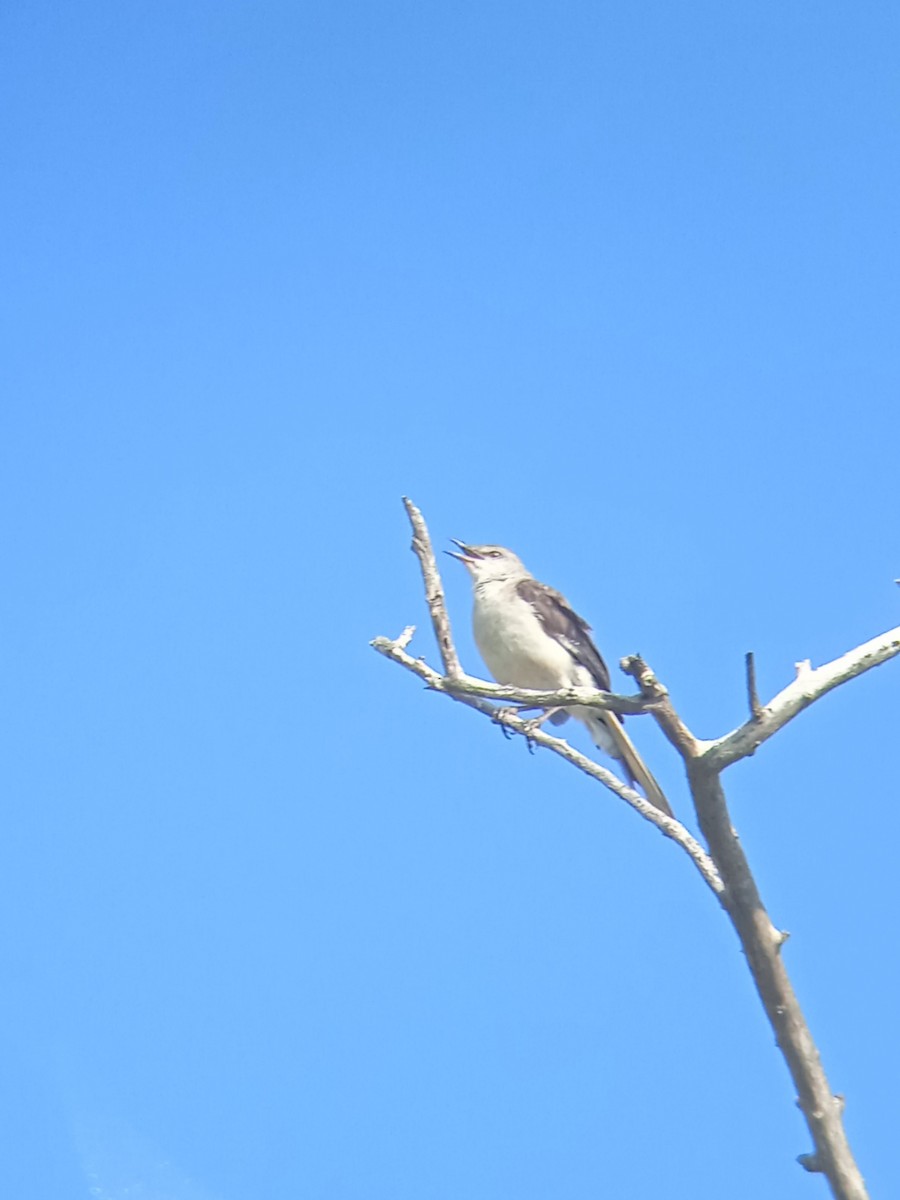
(468, 555)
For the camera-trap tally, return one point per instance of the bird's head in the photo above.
(487, 564)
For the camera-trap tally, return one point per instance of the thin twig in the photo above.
(436, 682)
(434, 591)
(808, 687)
(668, 826)
(756, 710)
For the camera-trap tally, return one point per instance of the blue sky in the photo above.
(616, 286)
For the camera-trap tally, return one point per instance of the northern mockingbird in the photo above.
(530, 637)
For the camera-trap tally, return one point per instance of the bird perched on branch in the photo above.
(530, 637)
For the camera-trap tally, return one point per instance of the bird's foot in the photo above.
(548, 714)
(529, 727)
(499, 716)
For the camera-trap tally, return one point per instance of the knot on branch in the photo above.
(657, 699)
(651, 688)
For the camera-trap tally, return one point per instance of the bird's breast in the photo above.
(514, 646)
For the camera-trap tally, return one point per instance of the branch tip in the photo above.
(434, 589)
(756, 711)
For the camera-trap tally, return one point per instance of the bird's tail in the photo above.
(609, 734)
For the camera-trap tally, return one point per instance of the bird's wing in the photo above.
(563, 624)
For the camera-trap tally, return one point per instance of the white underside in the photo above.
(519, 653)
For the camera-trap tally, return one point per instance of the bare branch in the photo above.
(752, 693)
(405, 637)
(804, 691)
(627, 706)
(468, 685)
(434, 589)
(395, 650)
(658, 702)
(761, 943)
(666, 825)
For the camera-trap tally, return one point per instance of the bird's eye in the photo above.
(496, 554)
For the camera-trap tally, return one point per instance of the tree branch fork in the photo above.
(721, 863)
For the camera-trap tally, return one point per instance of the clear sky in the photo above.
(614, 285)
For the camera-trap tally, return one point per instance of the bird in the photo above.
(530, 637)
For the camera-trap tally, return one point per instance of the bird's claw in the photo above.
(499, 715)
(527, 731)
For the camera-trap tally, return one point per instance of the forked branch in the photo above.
(808, 687)
(722, 865)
